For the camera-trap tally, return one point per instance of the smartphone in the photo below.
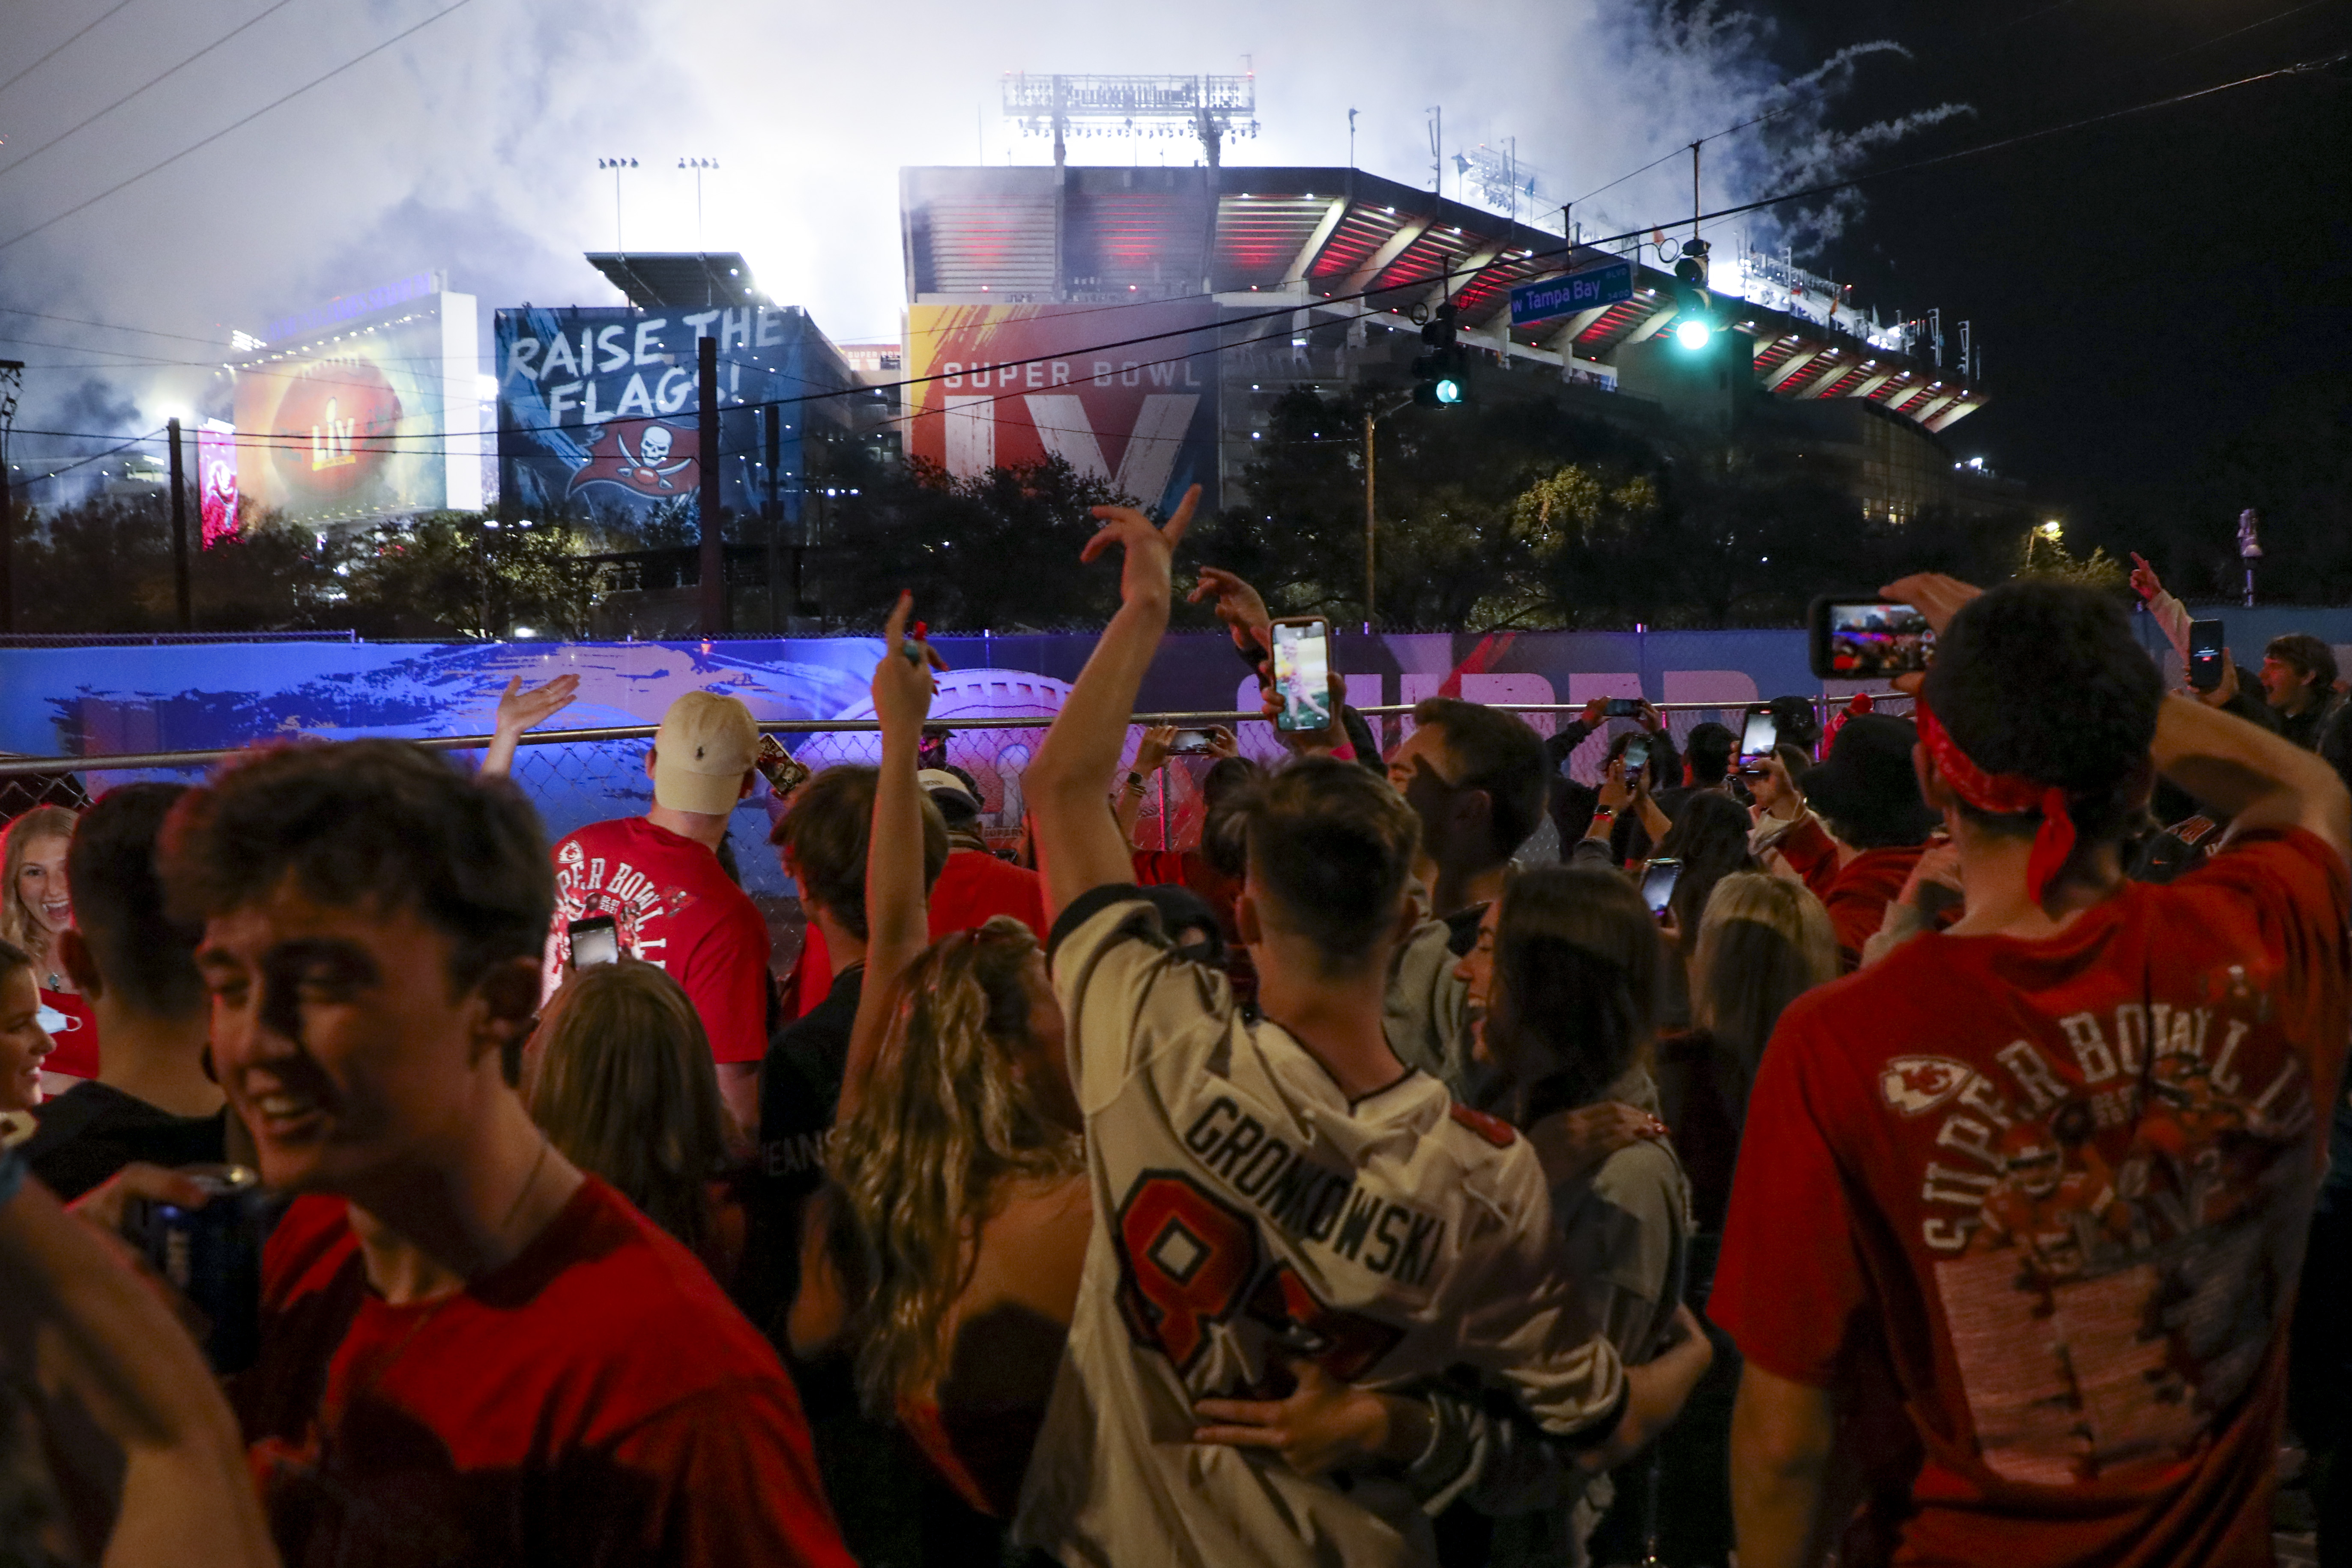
(1637, 756)
(1658, 879)
(1622, 708)
(595, 940)
(1868, 639)
(1758, 737)
(931, 750)
(784, 772)
(1191, 743)
(1302, 672)
(2205, 654)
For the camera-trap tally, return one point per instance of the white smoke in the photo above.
(472, 146)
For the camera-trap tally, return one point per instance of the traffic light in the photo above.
(1694, 320)
(1438, 381)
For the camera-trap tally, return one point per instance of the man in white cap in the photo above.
(659, 879)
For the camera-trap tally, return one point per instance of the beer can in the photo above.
(212, 1257)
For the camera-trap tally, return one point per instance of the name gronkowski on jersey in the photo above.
(1246, 1215)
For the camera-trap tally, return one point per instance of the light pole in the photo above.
(1371, 526)
(697, 165)
(616, 165)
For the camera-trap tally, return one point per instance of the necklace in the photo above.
(527, 1184)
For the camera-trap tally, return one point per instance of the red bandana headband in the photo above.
(2004, 794)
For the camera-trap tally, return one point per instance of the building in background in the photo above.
(365, 408)
(1310, 278)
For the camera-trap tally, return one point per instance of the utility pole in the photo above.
(713, 557)
(1370, 528)
(180, 531)
(12, 378)
(772, 420)
(1695, 208)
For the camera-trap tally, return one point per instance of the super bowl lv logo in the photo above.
(645, 456)
(1006, 386)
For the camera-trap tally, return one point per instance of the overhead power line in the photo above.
(234, 125)
(1823, 188)
(70, 39)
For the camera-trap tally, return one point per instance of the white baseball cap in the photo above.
(934, 780)
(706, 745)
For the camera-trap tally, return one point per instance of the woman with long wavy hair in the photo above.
(944, 1253)
(35, 907)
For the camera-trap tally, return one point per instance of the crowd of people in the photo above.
(1908, 1143)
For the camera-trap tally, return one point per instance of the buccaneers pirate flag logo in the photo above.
(645, 456)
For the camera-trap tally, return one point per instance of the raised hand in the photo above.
(903, 682)
(2143, 578)
(519, 710)
(1239, 606)
(1153, 749)
(1147, 575)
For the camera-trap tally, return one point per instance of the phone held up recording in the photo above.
(1658, 878)
(1192, 743)
(595, 940)
(784, 772)
(2205, 654)
(1302, 672)
(1863, 638)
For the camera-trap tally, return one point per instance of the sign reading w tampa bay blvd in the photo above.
(1603, 284)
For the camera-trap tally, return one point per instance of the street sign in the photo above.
(1605, 284)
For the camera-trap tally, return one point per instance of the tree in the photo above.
(998, 550)
(461, 574)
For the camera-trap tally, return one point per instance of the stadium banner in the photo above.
(355, 426)
(216, 479)
(599, 408)
(1008, 386)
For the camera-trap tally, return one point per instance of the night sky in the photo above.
(2142, 290)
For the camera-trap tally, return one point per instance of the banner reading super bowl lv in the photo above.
(599, 411)
(1005, 385)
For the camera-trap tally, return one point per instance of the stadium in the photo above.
(1312, 277)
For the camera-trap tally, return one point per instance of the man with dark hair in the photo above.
(660, 878)
(471, 1351)
(1226, 1157)
(822, 840)
(1865, 828)
(151, 1102)
(1475, 778)
(2041, 1180)
(2298, 678)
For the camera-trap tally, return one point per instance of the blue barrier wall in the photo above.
(119, 699)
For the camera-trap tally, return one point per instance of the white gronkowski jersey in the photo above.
(1246, 1215)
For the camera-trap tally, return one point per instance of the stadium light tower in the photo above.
(1209, 107)
(699, 165)
(616, 165)
(1501, 180)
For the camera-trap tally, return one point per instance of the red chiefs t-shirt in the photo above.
(673, 906)
(74, 1032)
(2064, 1185)
(974, 888)
(597, 1400)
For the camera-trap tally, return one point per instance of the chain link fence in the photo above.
(576, 777)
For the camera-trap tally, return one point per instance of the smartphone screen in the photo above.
(594, 940)
(931, 750)
(1302, 674)
(1869, 639)
(2205, 654)
(1658, 879)
(1622, 708)
(1190, 743)
(1637, 756)
(1756, 740)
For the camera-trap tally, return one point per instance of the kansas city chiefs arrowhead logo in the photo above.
(645, 456)
(1915, 1085)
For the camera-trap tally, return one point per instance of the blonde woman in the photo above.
(35, 906)
(944, 1256)
(618, 1075)
(1763, 941)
